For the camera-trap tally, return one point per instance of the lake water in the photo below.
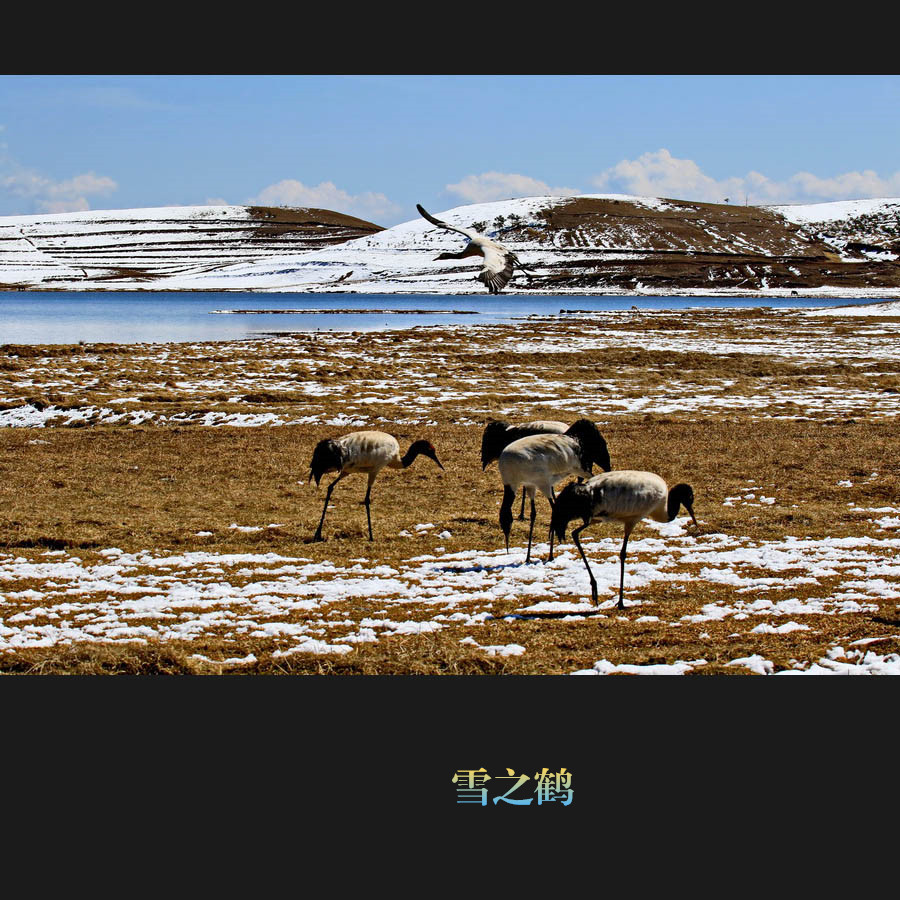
(38, 317)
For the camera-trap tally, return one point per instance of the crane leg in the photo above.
(522, 512)
(368, 503)
(575, 533)
(552, 499)
(318, 534)
(531, 529)
(622, 554)
(506, 516)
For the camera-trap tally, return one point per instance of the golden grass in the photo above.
(154, 487)
(143, 487)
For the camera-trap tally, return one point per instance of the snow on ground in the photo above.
(604, 667)
(852, 662)
(762, 588)
(152, 217)
(838, 210)
(216, 388)
(856, 663)
(883, 308)
(59, 598)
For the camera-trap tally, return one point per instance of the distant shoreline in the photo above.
(344, 312)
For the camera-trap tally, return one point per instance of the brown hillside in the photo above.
(686, 245)
(323, 225)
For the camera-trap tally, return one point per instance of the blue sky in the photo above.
(374, 146)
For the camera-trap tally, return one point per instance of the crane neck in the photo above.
(410, 455)
(672, 506)
(471, 249)
(423, 448)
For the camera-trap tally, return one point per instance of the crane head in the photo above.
(594, 449)
(494, 439)
(423, 448)
(681, 495)
(572, 502)
(327, 457)
(420, 448)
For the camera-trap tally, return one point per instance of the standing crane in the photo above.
(541, 461)
(624, 496)
(362, 451)
(499, 262)
(498, 435)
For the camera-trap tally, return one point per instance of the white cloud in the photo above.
(289, 192)
(43, 194)
(849, 186)
(660, 174)
(503, 186)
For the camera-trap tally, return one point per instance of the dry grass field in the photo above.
(156, 512)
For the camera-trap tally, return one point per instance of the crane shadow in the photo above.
(463, 570)
(883, 620)
(588, 613)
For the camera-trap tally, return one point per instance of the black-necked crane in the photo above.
(499, 262)
(362, 451)
(499, 434)
(543, 460)
(623, 496)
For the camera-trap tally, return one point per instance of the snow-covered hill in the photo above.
(840, 211)
(573, 243)
(136, 248)
(855, 228)
(580, 245)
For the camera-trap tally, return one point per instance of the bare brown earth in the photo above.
(690, 245)
(324, 226)
(785, 425)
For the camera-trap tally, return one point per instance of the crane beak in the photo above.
(431, 453)
(691, 511)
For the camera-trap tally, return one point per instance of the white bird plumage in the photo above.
(540, 461)
(498, 435)
(623, 496)
(362, 451)
(499, 262)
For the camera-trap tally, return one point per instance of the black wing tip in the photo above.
(430, 217)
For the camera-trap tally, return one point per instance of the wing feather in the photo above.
(498, 266)
(468, 232)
